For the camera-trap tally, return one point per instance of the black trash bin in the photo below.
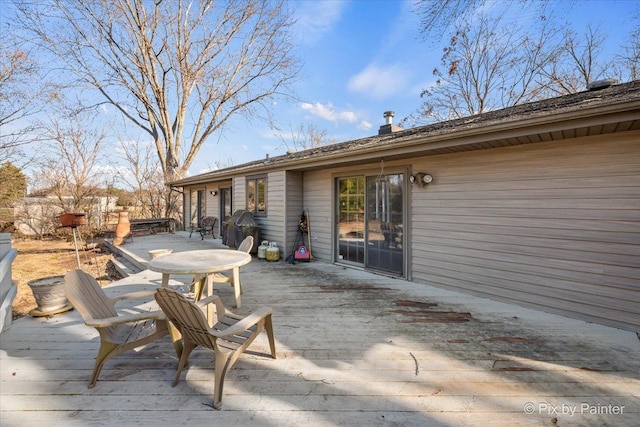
(240, 225)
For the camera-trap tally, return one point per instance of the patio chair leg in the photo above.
(222, 364)
(176, 338)
(268, 326)
(186, 351)
(103, 354)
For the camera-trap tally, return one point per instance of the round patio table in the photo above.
(202, 262)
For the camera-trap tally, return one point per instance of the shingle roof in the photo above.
(582, 103)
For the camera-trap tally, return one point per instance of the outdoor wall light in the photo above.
(421, 179)
(213, 192)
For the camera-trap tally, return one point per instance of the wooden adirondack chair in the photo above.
(245, 246)
(118, 333)
(228, 338)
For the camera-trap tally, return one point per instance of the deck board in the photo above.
(346, 356)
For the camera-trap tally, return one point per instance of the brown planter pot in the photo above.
(122, 228)
(72, 219)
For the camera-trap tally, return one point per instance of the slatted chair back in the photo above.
(246, 245)
(229, 336)
(118, 333)
(88, 298)
(187, 317)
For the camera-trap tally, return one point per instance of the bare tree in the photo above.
(437, 16)
(68, 165)
(628, 61)
(177, 69)
(144, 179)
(580, 61)
(21, 98)
(487, 66)
(305, 136)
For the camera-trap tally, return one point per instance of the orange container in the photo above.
(72, 219)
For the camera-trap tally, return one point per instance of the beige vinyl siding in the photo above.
(293, 209)
(272, 224)
(551, 225)
(239, 193)
(318, 190)
(211, 203)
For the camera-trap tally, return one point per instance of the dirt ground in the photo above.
(42, 258)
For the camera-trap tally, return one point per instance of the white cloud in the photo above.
(328, 112)
(315, 19)
(380, 82)
(364, 125)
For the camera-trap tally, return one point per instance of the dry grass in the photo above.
(43, 258)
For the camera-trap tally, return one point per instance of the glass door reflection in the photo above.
(384, 223)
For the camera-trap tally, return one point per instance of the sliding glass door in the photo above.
(350, 226)
(385, 223)
(370, 222)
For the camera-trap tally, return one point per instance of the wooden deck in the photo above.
(353, 349)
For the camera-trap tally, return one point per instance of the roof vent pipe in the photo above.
(601, 84)
(388, 127)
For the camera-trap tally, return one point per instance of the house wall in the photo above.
(212, 203)
(239, 193)
(293, 209)
(554, 226)
(318, 201)
(272, 225)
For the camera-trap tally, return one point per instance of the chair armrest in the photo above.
(125, 318)
(221, 310)
(244, 324)
(133, 295)
(208, 300)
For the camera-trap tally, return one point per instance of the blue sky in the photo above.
(355, 67)
(363, 57)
